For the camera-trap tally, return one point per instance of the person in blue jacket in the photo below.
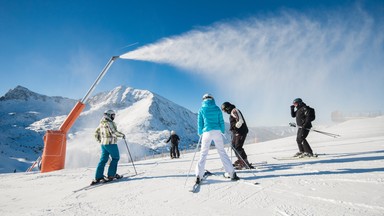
(210, 125)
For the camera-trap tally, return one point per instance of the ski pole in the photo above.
(322, 132)
(229, 146)
(246, 164)
(126, 144)
(326, 133)
(193, 159)
(34, 164)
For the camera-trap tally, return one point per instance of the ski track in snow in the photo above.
(348, 180)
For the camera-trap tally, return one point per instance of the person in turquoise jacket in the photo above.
(210, 126)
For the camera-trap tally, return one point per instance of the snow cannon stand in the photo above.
(55, 142)
(54, 151)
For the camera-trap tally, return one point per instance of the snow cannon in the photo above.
(55, 141)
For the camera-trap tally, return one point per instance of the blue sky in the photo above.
(259, 55)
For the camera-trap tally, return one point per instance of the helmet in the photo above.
(226, 106)
(110, 114)
(173, 132)
(207, 96)
(297, 100)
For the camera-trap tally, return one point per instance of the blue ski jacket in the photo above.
(210, 117)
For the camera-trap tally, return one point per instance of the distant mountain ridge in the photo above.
(22, 93)
(19, 108)
(145, 117)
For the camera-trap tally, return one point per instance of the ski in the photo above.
(257, 184)
(242, 181)
(315, 156)
(89, 187)
(196, 187)
(239, 167)
(251, 165)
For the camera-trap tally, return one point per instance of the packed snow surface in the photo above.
(346, 179)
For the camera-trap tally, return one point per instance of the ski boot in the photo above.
(99, 180)
(298, 154)
(234, 177)
(117, 176)
(197, 180)
(307, 155)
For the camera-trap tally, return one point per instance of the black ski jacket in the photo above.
(234, 117)
(302, 117)
(174, 139)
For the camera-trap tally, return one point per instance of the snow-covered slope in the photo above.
(347, 179)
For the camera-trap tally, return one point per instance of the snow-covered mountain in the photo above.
(19, 108)
(145, 117)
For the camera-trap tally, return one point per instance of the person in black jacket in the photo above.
(303, 121)
(174, 152)
(239, 130)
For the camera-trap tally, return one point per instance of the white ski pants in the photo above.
(206, 140)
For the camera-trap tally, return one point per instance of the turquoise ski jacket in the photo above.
(210, 117)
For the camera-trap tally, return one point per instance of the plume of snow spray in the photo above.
(275, 59)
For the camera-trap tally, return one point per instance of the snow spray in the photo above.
(264, 59)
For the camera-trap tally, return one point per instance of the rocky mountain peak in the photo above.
(21, 93)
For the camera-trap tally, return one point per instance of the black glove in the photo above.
(292, 107)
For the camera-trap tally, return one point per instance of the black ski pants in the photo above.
(175, 151)
(238, 143)
(302, 142)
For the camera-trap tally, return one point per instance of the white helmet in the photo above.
(207, 96)
(110, 114)
(173, 132)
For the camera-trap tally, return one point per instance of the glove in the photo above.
(239, 124)
(98, 138)
(123, 136)
(292, 107)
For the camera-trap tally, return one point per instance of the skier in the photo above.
(239, 130)
(174, 138)
(106, 134)
(210, 124)
(304, 117)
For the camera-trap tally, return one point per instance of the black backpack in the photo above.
(310, 113)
